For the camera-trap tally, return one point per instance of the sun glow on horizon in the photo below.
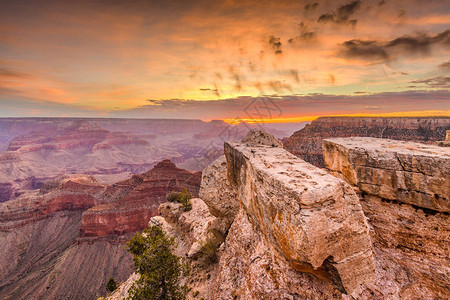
(405, 114)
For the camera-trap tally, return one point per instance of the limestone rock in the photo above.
(216, 191)
(257, 137)
(307, 142)
(311, 218)
(192, 226)
(409, 172)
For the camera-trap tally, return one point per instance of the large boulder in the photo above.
(313, 219)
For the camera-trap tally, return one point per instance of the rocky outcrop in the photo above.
(218, 194)
(313, 219)
(446, 142)
(307, 142)
(409, 172)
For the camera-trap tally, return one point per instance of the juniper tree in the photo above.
(160, 270)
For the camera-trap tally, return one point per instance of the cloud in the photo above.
(420, 43)
(305, 35)
(360, 49)
(342, 14)
(383, 51)
(275, 43)
(292, 105)
(445, 65)
(312, 6)
(435, 82)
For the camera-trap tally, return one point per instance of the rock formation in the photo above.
(409, 172)
(293, 231)
(307, 142)
(132, 202)
(446, 142)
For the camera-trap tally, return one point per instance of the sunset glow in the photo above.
(205, 59)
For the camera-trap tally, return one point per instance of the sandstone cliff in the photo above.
(285, 229)
(307, 142)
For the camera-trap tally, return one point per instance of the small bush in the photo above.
(209, 252)
(183, 197)
(111, 286)
(173, 196)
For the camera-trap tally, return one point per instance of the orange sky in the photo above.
(214, 59)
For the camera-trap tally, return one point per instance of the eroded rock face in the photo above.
(413, 173)
(217, 192)
(134, 201)
(312, 218)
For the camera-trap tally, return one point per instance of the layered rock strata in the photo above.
(409, 172)
(307, 142)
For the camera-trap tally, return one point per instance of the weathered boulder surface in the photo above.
(311, 218)
(217, 192)
(259, 137)
(409, 172)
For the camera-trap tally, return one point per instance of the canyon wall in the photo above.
(307, 142)
(52, 237)
(284, 229)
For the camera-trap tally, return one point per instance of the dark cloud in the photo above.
(275, 43)
(305, 35)
(214, 90)
(371, 50)
(342, 14)
(435, 82)
(383, 51)
(445, 65)
(311, 6)
(420, 43)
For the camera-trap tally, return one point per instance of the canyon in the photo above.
(285, 229)
(35, 150)
(52, 237)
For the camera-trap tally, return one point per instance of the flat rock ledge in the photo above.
(307, 215)
(408, 172)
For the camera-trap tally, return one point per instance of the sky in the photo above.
(232, 60)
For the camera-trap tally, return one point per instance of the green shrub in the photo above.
(183, 197)
(209, 252)
(111, 286)
(160, 270)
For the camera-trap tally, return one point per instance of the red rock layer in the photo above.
(307, 142)
(134, 201)
(62, 194)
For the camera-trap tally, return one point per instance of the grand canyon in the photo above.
(57, 222)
